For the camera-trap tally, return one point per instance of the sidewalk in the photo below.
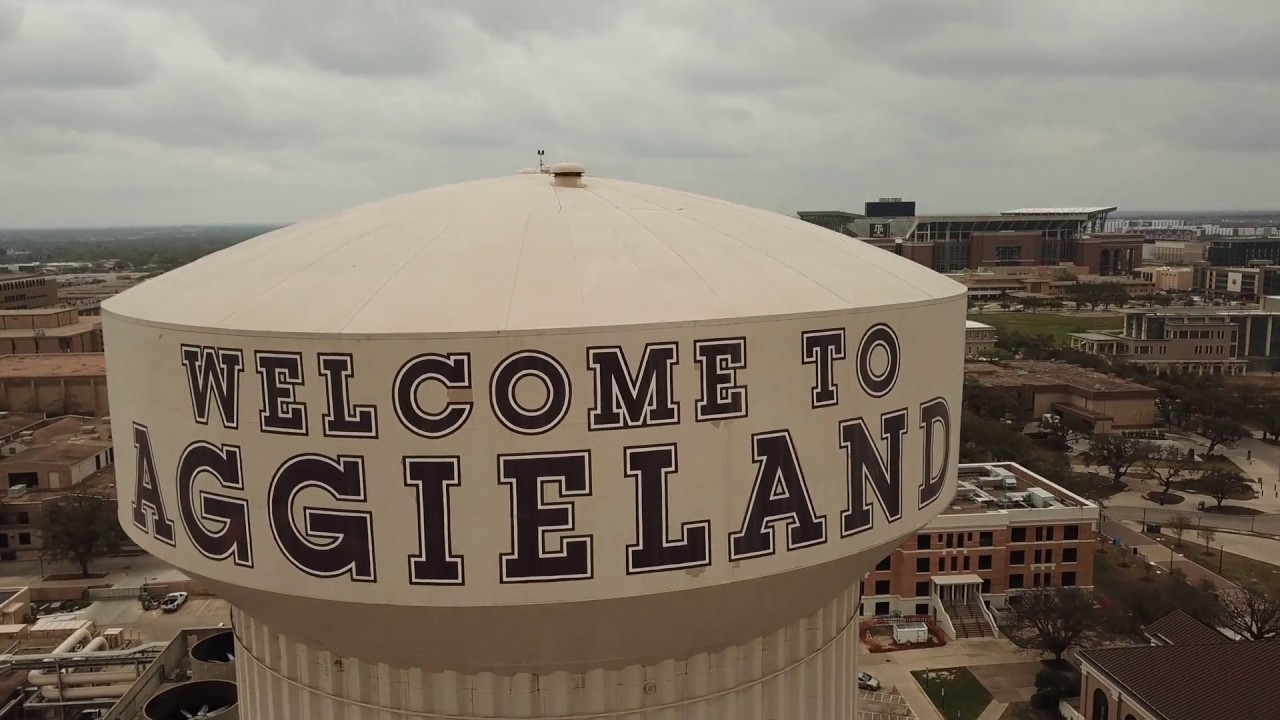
(1163, 556)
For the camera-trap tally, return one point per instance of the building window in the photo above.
(1101, 707)
(24, 518)
(1071, 532)
(1015, 581)
(24, 538)
(1039, 557)
(924, 542)
(882, 607)
(1069, 555)
(1048, 555)
(1068, 579)
(951, 540)
(955, 563)
(1039, 534)
(986, 585)
(1018, 534)
(922, 608)
(1048, 533)
(984, 562)
(922, 565)
(942, 564)
(966, 563)
(1018, 557)
(922, 589)
(885, 564)
(882, 587)
(986, 538)
(1035, 580)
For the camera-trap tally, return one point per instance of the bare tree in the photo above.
(1179, 525)
(1207, 534)
(1249, 611)
(1118, 454)
(1168, 465)
(1060, 616)
(1221, 483)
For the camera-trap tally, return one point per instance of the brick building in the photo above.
(1102, 402)
(21, 292)
(1006, 530)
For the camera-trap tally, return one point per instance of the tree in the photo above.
(1060, 616)
(1249, 611)
(79, 528)
(1118, 454)
(1221, 483)
(1266, 413)
(1222, 426)
(1085, 293)
(1168, 465)
(1207, 534)
(1064, 429)
(1179, 525)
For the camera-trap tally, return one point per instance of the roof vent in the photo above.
(567, 174)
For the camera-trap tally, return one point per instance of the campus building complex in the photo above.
(1023, 237)
(1202, 340)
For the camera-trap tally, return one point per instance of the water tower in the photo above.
(542, 446)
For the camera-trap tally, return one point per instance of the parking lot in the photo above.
(883, 706)
(152, 625)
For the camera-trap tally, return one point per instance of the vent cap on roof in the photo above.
(568, 174)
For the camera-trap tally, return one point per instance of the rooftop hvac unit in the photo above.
(1040, 497)
(214, 657)
(88, 428)
(196, 700)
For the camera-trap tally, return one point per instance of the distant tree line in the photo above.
(153, 249)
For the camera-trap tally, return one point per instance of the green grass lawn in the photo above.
(1047, 323)
(955, 692)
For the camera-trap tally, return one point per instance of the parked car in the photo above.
(866, 682)
(173, 601)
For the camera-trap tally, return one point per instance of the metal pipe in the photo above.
(37, 677)
(93, 692)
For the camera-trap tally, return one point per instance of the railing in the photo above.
(991, 620)
(941, 616)
(1069, 711)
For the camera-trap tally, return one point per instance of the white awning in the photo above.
(956, 579)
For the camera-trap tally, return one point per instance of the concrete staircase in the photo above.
(968, 620)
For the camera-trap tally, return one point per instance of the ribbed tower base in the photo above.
(805, 671)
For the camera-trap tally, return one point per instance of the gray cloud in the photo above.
(242, 110)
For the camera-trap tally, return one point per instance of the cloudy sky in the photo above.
(177, 111)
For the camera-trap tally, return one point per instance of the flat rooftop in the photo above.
(982, 490)
(12, 422)
(53, 365)
(1048, 373)
(79, 327)
(975, 325)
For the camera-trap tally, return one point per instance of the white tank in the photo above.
(542, 446)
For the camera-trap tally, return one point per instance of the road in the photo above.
(1269, 524)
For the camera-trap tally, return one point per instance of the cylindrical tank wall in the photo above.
(805, 671)
(213, 658)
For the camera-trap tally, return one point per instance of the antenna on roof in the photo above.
(541, 154)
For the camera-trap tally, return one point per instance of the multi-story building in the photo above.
(1205, 340)
(1101, 402)
(979, 339)
(1169, 279)
(1241, 283)
(1007, 529)
(1174, 252)
(41, 465)
(54, 384)
(48, 330)
(1239, 252)
(22, 292)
